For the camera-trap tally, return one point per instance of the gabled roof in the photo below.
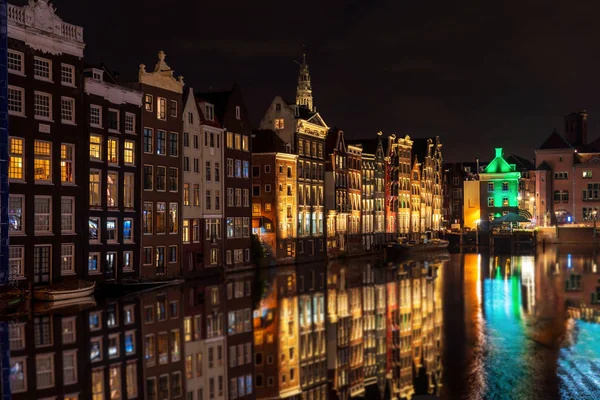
(499, 164)
(267, 141)
(593, 147)
(588, 158)
(218, 99)
(544, 166)
(555, 141)
(335, 139)
(522, 164)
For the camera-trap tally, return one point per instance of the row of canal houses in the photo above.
(159, 176)
(171, 182)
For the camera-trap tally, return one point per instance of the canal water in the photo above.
(456, 326)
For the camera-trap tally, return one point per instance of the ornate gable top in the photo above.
(162, 76)
(39, 27)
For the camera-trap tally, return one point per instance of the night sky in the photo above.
(482, 75)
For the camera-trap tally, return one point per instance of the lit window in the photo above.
(161, 108)
(279, 123)
(112, 153)
(128, 230)
(95, 148)
(42, 68)
(173, 218)
(128, 190)
(129, 152)
(148, 102)
(15, 168)
(98, 384)
(94, 262)
(112, 189)
(127, 261)
(42, 158)
(95, 188)
(161, 142)
(67, 75)
(111, 229)
(66, 163)
(16, 96)
(42, 105)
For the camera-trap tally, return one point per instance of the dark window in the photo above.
(173, 183)
(160, 178)
(148, 140)
(255, 171)
(161, 142)
(173, 150)
(148, 177)
(256, 191)
(113, 120)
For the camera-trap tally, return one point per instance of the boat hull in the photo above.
(58, 294)
(397, 249)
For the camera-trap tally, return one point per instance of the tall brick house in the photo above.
(229, 109)
(203, 188)
(48, 147)
(114, 131)
(161, 170)
(301, 127)
(274, 211)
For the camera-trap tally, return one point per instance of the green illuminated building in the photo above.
(499, 186)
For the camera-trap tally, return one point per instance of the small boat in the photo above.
(435, 244)
(64, 291)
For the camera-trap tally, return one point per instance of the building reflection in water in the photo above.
(312, 331)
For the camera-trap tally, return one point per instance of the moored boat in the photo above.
(64, 291)
(403, 249)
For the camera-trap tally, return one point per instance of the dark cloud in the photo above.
(478, 74)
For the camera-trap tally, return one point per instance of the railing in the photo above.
(19, 15)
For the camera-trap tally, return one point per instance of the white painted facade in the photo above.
(215, 376)
(192, 134)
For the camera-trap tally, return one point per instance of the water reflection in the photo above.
(472, 326)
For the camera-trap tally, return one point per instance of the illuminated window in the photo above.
(66, 163)
(504, 201)
(161, 142)
(95, 187)
(42, 159)
(587, 174)
(148, 102)
(15, 168)
(95, 148)
(490, 202)
(279, 123)
(112, 189)
(129, 152)
(160, 217)
(111, 229)
(173, 218)
(112, 155)
(185, 234)
(161, 108)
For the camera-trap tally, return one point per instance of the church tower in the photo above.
(304, 89)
